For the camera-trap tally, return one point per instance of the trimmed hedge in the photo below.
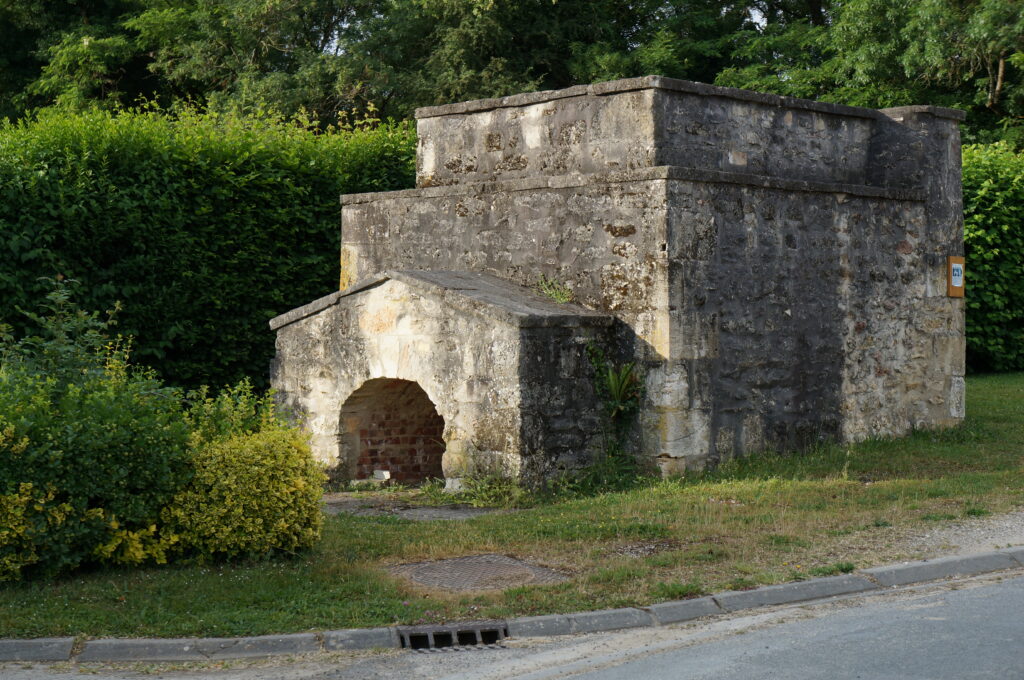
(202, 226)
(993, 179)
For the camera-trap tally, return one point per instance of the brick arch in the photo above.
(392, 425)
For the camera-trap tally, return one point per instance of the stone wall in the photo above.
(780, 263)
(775, 266)
(649, 122)
(606, 240)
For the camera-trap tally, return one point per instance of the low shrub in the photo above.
(97, 445)
(28, 517)
(100, 463)
(252, 493)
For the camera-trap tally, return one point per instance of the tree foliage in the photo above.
(329, 56)
(880, 53)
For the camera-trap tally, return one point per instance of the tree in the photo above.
(879, 53)
(63, 51)
(390, 56)
(281, 54)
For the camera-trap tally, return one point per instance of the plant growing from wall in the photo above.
(619, 388)
(554, 289)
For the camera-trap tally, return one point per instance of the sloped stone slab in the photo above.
(360, 638)
(610, 619)
(665, 613)
(540, 626)
(1016, 552)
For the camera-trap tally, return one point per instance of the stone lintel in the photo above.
(490, 295)
(663, 172)
(676, 85)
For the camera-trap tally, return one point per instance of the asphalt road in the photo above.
(955, 635)
(967, 629)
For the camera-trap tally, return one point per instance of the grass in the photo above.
(756, 521)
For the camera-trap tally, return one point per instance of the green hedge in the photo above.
(203, 227)
(993, 176)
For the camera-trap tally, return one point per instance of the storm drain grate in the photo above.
(477, 572)
(455, 636)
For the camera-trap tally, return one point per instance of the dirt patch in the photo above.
(968, 536)
(477, 572)
(392, 505)
(646, 548)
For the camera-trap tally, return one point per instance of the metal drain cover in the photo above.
(477, 572)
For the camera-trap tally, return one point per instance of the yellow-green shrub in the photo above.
(97, 445)
(27, 515)
(252, 493)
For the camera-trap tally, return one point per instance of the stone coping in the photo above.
(876, 579)
(677, 85)
(472, 291)
(660, 172)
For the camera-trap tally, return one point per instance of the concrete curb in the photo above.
(664, 613)
(944, 567)
(199, 649)
(799, 591)
(40, 649)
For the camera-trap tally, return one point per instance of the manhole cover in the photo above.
(477, 572)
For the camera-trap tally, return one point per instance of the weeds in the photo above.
(554, 289)
(677, 591)
(615, 468)
(489, 491)
(832, 569)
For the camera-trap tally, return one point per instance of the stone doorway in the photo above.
(391, 426)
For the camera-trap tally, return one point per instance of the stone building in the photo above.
(778, 269)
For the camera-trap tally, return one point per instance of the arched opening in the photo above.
(391, 426)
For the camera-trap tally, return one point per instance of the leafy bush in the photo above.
(252, 493)
(204, 226)
(95, 445)
(256, 487)
(100, 463)
(28, 517)
(993, 179)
